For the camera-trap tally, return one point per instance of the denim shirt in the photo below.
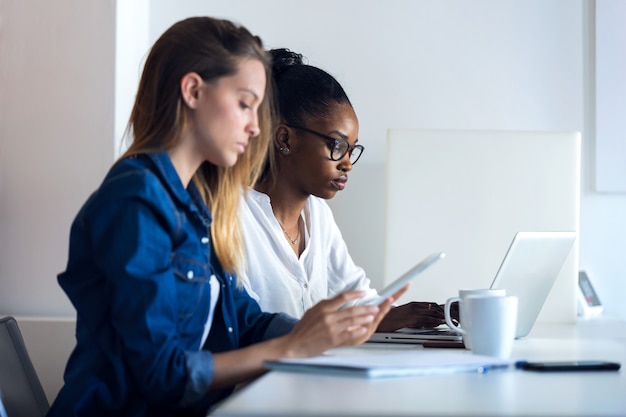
(138, 274)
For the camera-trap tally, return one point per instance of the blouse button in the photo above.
(204, 240)
(230, 330)
(306, 285)
(189, 274)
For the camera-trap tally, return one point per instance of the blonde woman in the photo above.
(163, 327)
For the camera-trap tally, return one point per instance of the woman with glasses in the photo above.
(296, 255)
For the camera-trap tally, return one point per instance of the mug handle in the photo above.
(448, 316)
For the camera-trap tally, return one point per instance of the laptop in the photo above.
(529, 268)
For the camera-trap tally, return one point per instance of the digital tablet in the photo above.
(405, 278)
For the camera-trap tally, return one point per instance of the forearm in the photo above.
(325, 326)
(236, 366)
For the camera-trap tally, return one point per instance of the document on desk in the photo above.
(394, 364)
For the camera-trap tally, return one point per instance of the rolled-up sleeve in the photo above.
(280, 325)
(200, 368)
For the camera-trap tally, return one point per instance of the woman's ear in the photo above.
(281, 139)
(190, 89)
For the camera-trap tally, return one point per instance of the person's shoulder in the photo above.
(131, 185)
(131, 177)
(253, 196)
(255, 202)
(132, 165)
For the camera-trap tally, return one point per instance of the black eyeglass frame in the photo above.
(335, 142)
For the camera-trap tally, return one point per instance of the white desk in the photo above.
(510, 393)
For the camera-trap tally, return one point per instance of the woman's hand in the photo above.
(415, 314)
(327, 325)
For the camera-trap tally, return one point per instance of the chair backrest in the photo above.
(22, 393)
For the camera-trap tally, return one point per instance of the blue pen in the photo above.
(488, 368)
(520, 364)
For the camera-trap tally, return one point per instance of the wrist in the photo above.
(283, 347)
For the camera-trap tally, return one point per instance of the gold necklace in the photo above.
(293, 241)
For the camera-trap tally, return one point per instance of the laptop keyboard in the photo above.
(429, 332)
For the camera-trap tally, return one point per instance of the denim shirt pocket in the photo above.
(192, 286)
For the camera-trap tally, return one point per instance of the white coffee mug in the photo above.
(462, 295)
(490, 324)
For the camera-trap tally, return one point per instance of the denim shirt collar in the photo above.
(190, 196)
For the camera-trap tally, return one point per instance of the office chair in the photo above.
(22, 393)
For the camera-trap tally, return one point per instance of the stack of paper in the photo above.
(393, 364)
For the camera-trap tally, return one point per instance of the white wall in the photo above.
(610, 60)
(485, 64)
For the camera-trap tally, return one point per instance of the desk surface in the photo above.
(511, 393)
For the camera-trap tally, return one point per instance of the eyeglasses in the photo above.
(338, 147)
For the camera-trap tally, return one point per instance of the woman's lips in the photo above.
(340, 183)
(242, 146)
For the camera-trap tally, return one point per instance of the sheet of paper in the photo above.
(405, 363)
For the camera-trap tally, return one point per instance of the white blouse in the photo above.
(277, 278)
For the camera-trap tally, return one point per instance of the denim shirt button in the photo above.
(230, 330)
(189, 274)
(204, 240)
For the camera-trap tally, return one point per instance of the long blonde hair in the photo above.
(212, 48)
